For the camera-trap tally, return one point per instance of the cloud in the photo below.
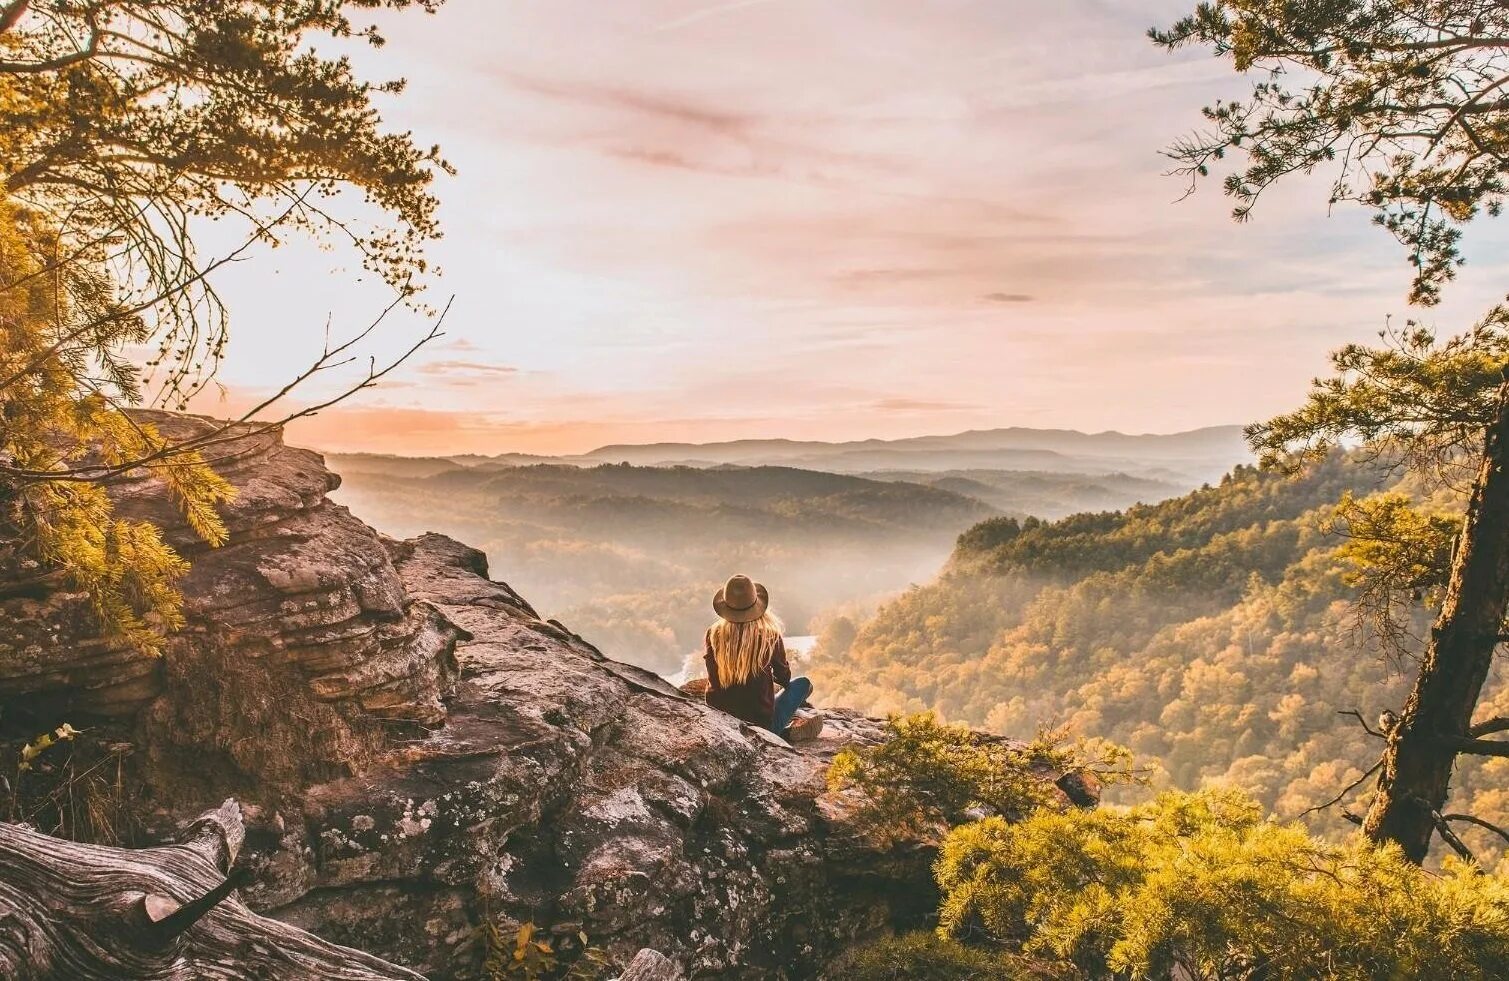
(913, 218)
(922, 405)
(459, 374)
(447, 368)
(681, 161)
(687, 112)
(870, 277)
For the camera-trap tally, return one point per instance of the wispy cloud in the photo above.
(635, 99)
(450, 368)
(682, 161)
(922, 405)
(872, 277)
(716, 10)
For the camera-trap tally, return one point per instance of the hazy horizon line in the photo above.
(746, 440)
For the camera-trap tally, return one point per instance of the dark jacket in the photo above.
(754, 700)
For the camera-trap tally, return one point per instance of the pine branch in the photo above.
(1347, 790)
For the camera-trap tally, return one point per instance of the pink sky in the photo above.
(824, 219)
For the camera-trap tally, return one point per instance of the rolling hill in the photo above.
(624, 541)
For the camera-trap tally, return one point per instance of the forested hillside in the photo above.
(1215, 634)
(1042, 494)
(629, 556)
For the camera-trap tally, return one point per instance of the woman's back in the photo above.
(746, 658)
(745, 661)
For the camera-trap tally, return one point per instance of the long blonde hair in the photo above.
(743, 650)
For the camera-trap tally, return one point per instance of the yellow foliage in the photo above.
(64, 388)
(525, 957)
(1201, 885)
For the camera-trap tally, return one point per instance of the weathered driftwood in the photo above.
(75, 912)
(651, 965)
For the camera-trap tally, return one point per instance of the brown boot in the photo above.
(806, 727)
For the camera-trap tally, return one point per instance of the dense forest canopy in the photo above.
(1216, 635)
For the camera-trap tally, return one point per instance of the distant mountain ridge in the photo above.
(1066, 442)
(1184, 458)
(626, 548)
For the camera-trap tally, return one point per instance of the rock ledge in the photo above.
(423, 761)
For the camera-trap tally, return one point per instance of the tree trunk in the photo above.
(75, 912)
(1423, 746)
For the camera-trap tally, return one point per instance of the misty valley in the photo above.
(625, 544)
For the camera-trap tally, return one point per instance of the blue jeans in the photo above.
(787, 702)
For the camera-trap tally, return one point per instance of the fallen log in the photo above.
(77, 912)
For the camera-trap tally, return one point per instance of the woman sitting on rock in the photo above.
(746, 659)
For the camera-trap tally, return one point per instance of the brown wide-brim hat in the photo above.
(741, 600)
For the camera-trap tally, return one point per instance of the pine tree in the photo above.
(1405, 105)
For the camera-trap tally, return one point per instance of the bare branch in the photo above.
(1473, 747)
(1347, 790)
(1450, 837)
(225, 432)
(1469, 819)
(46, 354)
(1363, 722)
(1487, 726)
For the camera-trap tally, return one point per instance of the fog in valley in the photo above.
(627, 544)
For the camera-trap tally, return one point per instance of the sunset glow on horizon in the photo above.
(686, 220)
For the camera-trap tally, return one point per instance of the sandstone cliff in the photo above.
(419, 755)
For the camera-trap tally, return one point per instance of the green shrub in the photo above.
(927, 775)
(1202, 886)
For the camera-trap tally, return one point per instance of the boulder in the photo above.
(301, 655)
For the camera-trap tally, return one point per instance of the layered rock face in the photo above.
(422, 759)
(301, 654)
